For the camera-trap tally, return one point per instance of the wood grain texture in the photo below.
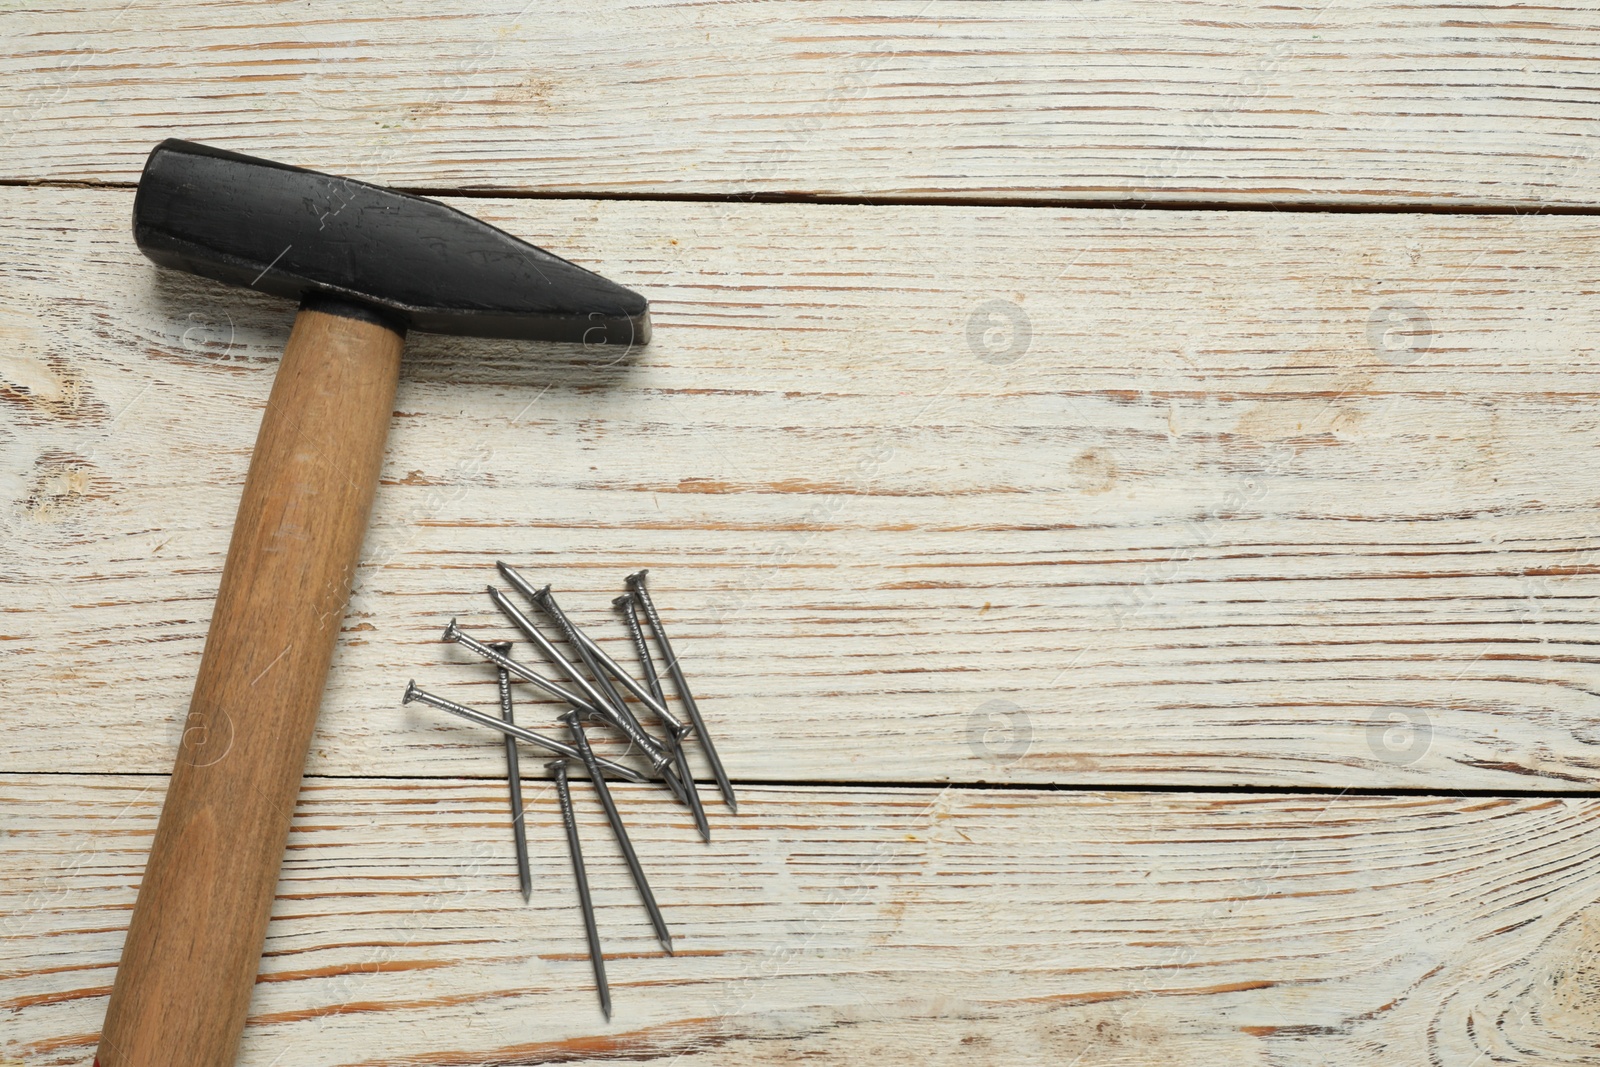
(183, 986)
(1363, 102)
(840, 926)
(1265, 498)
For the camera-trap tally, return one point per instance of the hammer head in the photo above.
(299, 233)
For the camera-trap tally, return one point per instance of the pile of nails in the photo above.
(594, 679)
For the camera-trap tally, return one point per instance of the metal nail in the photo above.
(585, 648)
(660, 756)
(617, 714)
(580, 741)
(454, 633)
(606, 693)
(519, 828)
(596, 958)
(521, 733)
(569, 633)
(680, 760)
(654, 698)
(593, 697)
(675, 729)
(642, 594)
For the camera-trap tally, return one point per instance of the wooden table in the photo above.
(1143, 628)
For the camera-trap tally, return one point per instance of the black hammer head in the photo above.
(299, 233)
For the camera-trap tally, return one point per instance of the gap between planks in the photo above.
(1330, 207)
(980, 786)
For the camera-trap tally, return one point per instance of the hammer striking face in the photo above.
(366, 264)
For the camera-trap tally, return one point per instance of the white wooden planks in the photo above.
(898, 925)
(1355, 102)
(983, 493)
(994, 494)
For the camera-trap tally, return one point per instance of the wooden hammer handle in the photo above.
(194, 943)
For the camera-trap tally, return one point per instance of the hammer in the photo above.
(366, 264)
